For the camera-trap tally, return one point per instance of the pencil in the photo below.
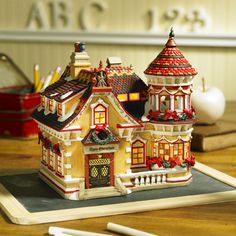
(56, 75)
(36, 76)
(47, 80)
(126, 230)
(40, 85)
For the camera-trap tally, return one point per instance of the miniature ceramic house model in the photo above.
(104, 132)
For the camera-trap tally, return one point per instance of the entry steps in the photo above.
(101, 192)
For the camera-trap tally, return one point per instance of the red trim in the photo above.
(134, 166)
(120, 126)
(62, 190)
(50, 167)
(59, 175)
(175, 181)
(86, 166)
(129, 185)
(95, 156)
(44, 163)
(101, 89)
(70, 130)
(172, 87)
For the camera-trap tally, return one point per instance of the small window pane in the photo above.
(122, 97)
(134, 96)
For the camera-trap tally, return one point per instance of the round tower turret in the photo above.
(170, 78)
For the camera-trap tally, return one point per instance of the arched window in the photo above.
(178, 150)
(164, 103)
(100, 115)
(138, 152)
(179, 103)
(164, 150)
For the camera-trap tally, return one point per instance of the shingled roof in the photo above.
(51, 120)
(123, 80)
(170, 62)
(64, 89)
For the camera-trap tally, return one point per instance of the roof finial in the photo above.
(171, 34)
(100, 64)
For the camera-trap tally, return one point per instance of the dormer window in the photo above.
(50, 105)
(122, 97)
(43, 102)
(128, 97)
(100, 115)
(59, 109)
(134, 96)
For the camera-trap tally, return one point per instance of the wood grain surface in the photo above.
(214, 219)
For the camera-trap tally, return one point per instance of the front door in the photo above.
(100, 170)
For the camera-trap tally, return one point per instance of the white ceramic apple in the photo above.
(208, 104)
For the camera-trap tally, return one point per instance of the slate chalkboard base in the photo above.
(27, 200)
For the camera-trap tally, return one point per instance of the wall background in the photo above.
(91, 19)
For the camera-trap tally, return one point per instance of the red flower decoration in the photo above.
(172, 162)
(153, 115)
(189, 113)
(190, 160)
(159, 162)
(169, 114)
(56, 148)
(153, 161)
(100, 128)
(177, 161)
(47, 143)
(40, 135)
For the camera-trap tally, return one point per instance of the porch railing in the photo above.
(146, 178)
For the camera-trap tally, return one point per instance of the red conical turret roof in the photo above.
(170, 62)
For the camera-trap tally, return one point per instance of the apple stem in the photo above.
(203, 85)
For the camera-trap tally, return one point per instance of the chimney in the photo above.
(79, 60)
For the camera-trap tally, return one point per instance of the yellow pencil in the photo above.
(40, 85)
(36, 76)
(56, 75)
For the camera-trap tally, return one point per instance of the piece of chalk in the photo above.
(62, 234)
(57, 230)
(126, 230)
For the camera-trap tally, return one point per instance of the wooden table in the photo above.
(214, 219)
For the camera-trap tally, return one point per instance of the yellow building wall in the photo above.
(216, 64)
(76, 148)
(120, 158)
(77, 159)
